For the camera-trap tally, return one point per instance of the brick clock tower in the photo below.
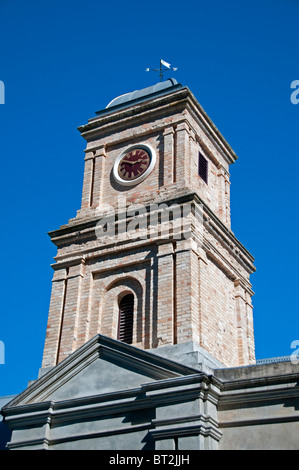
(126, 267)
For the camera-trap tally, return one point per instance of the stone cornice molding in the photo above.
(78, 230)
(251, 386)
(99, 346)
(182, 99)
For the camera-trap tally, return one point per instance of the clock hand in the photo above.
(132, 163)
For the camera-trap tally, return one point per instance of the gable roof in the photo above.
(102, 366)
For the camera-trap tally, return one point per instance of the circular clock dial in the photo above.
(133, 164)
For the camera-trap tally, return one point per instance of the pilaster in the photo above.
(223, 196)
(244, 325)
(54, 318)
(182, 157)
(187, 291)
(98, 181)
(88, 180)
(191, 423)
(70, 312)
(166, 320)
(169, 167)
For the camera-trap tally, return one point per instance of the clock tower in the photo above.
(150, 258)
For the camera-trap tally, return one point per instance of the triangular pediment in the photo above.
(101, 366)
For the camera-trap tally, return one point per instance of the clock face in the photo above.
(134, 164)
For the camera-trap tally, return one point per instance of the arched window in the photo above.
(125, 322)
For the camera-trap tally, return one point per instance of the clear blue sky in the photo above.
(63, 60)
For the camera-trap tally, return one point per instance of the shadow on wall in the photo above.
(5, 435)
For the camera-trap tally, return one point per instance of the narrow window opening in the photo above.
(203, 167)
(125, 325)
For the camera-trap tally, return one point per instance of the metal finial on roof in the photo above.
(166, 68)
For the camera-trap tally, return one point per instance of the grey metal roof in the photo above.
(138, 96)
(274, 359)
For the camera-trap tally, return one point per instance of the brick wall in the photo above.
(194, 288)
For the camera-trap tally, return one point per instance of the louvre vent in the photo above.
(125, 327)
(203, 167)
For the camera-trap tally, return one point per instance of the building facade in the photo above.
(150, 341)
(188, 274)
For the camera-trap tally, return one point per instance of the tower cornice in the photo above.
(84, 229)
(179, 100)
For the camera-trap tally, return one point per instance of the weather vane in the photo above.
(162, 69)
